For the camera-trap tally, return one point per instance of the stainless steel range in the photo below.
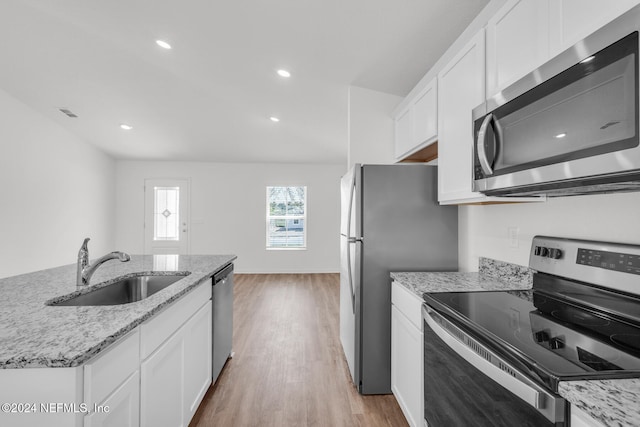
(501, 355)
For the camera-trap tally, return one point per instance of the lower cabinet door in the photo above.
(197, 360)
(162, 385)
(120, 409)
(580, 418)
(407, 366)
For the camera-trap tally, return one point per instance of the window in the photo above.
(286, 217)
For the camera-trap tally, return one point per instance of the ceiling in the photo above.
(210, 97)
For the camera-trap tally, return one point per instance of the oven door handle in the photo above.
(529, 392)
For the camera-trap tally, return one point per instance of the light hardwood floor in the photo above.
(289, 368)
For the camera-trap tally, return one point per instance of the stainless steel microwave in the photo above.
(571, 126)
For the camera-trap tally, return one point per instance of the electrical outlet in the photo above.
(513, 232)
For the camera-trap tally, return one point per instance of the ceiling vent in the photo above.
(68, 113)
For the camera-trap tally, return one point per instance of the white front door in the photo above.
(166, 212)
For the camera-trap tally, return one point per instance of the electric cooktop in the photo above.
(565, 328)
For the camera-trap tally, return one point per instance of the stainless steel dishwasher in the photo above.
(222, 319)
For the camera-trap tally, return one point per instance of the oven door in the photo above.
(466, 384)
(572, 122)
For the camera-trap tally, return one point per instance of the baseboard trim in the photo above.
(287, 272)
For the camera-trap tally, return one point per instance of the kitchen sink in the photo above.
(124, 291)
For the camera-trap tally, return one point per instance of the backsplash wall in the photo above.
(484, 230)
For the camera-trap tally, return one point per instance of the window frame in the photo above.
(302, 217)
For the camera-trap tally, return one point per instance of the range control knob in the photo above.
(536, 250)
(555, 253)
(544, 252)
(541, 336)
(556, 343)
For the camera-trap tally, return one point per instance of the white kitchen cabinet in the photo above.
(517, 42)
(572, 20)
(112, 385)
(176, 374)
(461, 88)
(161, 385)
(524, 34)
(403, 132)
(120, 409)
(111, 368)
(416, 126)
(580, 418)
(197, 360)
(425, 114)
(407, 368)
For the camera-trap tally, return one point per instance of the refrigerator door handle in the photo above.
(351, 240)
(355, 239)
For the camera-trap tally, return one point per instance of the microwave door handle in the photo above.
(482, 154)
(498, 140)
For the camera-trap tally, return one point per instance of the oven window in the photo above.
(589, 109)
(458, 394)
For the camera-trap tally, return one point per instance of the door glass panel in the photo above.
(166, 213)
(589, 109)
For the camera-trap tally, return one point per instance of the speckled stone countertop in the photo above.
(610, 402)
(35, 335)
(493, 275)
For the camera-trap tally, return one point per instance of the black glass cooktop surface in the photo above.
(557, 339)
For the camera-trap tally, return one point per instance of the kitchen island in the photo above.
(52, 353)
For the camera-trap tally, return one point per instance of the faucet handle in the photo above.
(83, 261)
(83, 253)
(84, 244)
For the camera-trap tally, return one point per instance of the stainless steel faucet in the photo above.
(85, 271)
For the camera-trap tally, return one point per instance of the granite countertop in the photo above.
(36, 335)
(610, 402)
(493, 275)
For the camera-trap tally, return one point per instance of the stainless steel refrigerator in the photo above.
(391, 221)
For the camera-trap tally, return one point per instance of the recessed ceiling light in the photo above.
(284, 73)
(589, 59)
(561, 135)
(274, 119)
(126, 126)
(163, 44)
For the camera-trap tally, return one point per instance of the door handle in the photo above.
(351, 240)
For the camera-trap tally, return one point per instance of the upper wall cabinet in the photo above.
(524, 34)
(572, 20)
(417, 124)
(517, 42)
(461, 88)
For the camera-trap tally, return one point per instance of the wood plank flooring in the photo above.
(289, 368)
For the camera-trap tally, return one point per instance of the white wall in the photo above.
(228, 208)
(371, 126)
(56, 190)
(483, 229)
